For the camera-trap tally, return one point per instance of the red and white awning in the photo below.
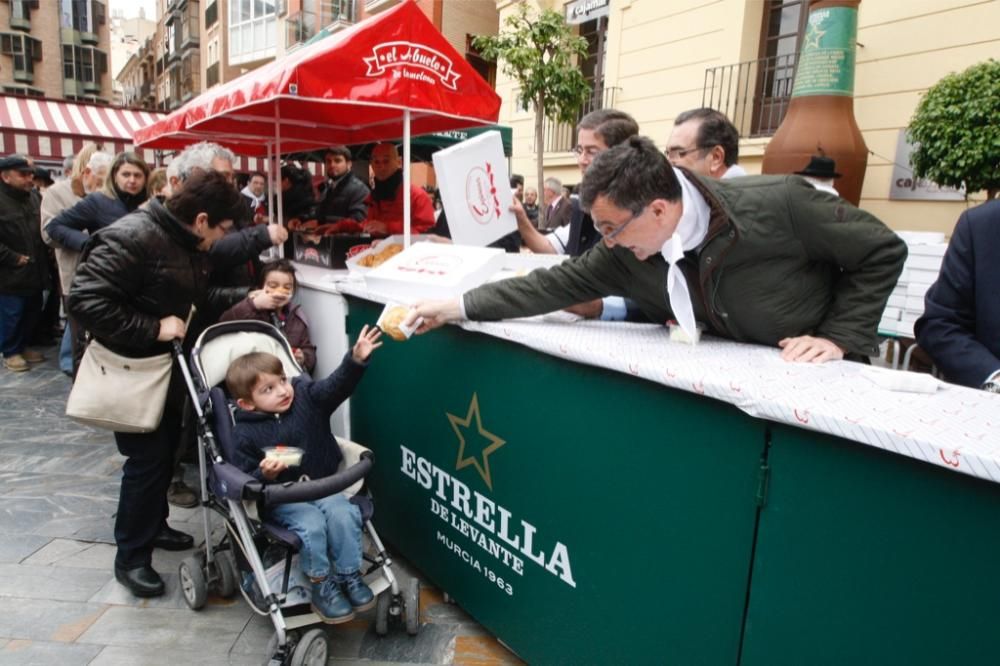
(50, 130)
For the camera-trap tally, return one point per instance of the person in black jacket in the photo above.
(23, 275)
(273, 410)
(136, 284)
(235, 259)
(343, 194)
(124, 190)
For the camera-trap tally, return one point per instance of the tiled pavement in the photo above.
(60, 604)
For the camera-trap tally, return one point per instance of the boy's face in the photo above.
(272, 394)
(279, 286)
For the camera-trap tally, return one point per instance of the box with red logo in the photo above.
(475, 190)
(330, 251)
(434, 270)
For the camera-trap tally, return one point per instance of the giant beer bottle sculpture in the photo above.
(820, 118)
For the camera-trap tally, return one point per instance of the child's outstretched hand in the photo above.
(270, 468)
(368, 341)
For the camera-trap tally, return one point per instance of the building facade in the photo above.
(57, 49)
(127, 36)
(655, 59)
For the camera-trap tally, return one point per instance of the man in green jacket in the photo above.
(767, 260)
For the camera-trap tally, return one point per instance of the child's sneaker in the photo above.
(357, 591)
(329, 603)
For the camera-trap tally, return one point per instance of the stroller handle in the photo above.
(306, 491)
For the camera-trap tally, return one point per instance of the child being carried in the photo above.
(273, 410)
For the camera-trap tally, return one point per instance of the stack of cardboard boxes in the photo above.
(906, 303)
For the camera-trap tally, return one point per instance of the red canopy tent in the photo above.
(391, 75)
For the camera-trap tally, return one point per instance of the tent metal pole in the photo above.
(406, 178)
(270, 182)
(277, 160)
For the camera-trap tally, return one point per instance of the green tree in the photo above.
(540, 52)
(956, 130)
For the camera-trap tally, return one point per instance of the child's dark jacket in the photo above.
(306, 425)
(291, 321)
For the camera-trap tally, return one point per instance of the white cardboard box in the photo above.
(921, 276)
(914, 304)
(891, 314)
(935, 250)
(475, 190)
(353, 260)
(924, 262)
(433, 271)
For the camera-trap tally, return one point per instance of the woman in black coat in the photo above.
(124, 190)
(133, 291)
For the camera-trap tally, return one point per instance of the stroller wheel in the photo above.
(382, 612)
(411, 599)
(275, 659)
(228, 577)
(311, 650)
(193, 582)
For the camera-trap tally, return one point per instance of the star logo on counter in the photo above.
(475, 443)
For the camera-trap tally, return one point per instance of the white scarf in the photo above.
(690, 232)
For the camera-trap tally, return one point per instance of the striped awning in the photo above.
(49, 130)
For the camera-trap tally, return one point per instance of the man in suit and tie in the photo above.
(960, 327)
(557, 207)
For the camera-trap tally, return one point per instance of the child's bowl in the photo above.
(290, 455)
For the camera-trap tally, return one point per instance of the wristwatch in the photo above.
(991, 386)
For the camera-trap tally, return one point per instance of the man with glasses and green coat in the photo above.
(762, 259)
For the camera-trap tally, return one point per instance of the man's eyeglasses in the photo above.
(681, 153)
(589, 151)
(609, 231)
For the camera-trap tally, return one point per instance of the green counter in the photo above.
(585, 516)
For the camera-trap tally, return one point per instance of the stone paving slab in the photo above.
(46, 620)
(40, 653)
(210, 631)
(60, 604)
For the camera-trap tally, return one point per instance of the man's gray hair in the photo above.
(554, 184)
(99, 160)
(197, 157)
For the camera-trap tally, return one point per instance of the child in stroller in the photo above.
(259, 557)
(275, 410)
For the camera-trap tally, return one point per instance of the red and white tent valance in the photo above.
(50, 130)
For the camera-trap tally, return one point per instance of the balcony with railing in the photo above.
(561, 137)
(754, 94)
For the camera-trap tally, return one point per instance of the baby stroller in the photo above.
(254, 556)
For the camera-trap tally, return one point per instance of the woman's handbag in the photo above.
(119, 393)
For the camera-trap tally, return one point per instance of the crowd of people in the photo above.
(677, 235)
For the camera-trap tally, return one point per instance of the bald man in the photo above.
(385, 203)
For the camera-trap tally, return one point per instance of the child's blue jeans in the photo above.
(328, 526)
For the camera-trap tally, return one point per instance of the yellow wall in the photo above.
(658, 52)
